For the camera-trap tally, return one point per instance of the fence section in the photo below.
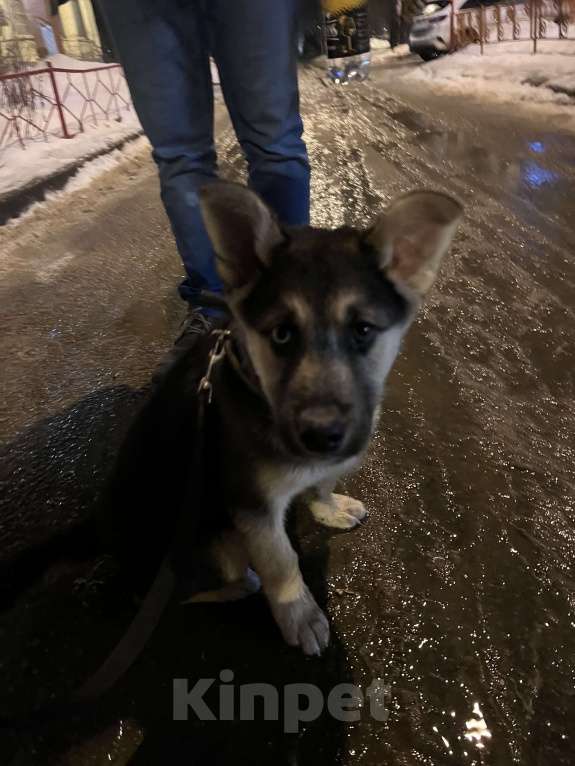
(53, 101)
(533, 20)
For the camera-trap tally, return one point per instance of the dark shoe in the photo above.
(195, 323)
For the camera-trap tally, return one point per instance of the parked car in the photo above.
(430, 34)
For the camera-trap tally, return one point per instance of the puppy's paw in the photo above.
(302, 623)
(341, 512)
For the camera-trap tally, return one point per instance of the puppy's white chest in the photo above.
(281, 484)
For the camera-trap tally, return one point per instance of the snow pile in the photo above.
(508, 72)
(86, 174)
(20, 168)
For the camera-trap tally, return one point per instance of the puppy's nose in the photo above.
(321, 430)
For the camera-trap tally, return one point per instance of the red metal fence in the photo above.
(533, 20)
(60, 102)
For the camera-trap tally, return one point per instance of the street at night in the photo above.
(458, 593)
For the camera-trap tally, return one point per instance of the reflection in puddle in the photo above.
(115, 746)
(467, 744)
(533, 170)
(477, 729)
(535, 175)
(537, 146)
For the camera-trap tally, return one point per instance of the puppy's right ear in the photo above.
(412, 237)
(242, 229)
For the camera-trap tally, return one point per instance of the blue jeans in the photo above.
(165, 47)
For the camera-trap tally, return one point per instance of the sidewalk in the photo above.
(458, 592)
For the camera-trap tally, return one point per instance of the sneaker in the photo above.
(195, 323)
(193, 326)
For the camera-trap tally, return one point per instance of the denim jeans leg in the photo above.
(164, 49)
(255, 48)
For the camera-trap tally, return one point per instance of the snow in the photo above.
(86, 174)
(377, 44)
(61, 61)
(507, 72)
(21, 167)
(43, 157)
(383, 48)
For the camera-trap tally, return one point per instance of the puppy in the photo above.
(318, 318)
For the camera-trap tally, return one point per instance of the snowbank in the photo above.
(507, 72)
(87, 172)
(21, 168)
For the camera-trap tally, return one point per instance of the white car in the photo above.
(430, 33)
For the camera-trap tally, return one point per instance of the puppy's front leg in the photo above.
(339, 511)
(299, 618)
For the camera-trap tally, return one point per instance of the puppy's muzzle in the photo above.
(323, 430)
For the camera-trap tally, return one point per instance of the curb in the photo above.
(15, 202)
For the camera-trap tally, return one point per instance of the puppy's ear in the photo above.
(412, 236)
(242, 229)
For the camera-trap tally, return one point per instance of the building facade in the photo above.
(33, 29)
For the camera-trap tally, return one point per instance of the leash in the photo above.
(158, 596)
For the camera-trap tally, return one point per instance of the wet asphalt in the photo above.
(458, 594)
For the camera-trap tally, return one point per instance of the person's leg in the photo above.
(255, 48)
(163, 48)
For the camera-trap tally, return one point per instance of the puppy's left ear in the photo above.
(242, 229)
(412, 236)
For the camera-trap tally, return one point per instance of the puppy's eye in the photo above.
(363, 331)
(282, 334)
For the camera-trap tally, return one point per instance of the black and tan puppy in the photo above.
(318, 318)
(317, 321)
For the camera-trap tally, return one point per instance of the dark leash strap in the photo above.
(132, 643)
(159, 594)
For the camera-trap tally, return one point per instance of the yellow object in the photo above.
(341, 6)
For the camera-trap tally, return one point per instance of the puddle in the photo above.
(532, 173)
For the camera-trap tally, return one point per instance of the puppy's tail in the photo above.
(78, 543)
